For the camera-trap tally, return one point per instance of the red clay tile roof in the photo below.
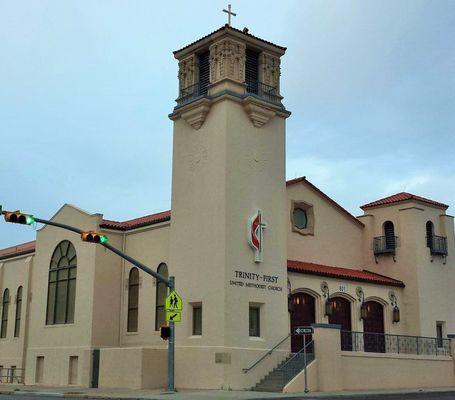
(227, 27)
(342, 273)
(322, 194)
(19, 250)
(403, 196)
(137, 222)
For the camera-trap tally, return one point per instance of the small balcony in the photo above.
(385, 245)
(254, 87)
(437, 245)
(263, 91)
(190, 93)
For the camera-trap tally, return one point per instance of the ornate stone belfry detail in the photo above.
(270, 70)
(187, 72)
(227, 60)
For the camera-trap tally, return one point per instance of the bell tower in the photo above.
(228, 226)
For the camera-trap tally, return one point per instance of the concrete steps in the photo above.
(277, 379)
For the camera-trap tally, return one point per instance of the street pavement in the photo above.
(400, 396)
(35, 393)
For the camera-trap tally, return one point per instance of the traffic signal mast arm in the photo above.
(113, 249)
(139, 265)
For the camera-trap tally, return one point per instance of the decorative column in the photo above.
(270, 71)
(188, 72)
(227, 66)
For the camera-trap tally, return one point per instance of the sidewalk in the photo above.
(74, 392)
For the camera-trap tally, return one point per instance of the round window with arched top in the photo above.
(300, 218)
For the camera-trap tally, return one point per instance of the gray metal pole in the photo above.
(171, 348)
(304, 360)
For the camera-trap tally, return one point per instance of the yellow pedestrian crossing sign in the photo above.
(173, 316)
(174, 302)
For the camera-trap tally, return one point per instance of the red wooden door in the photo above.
(303, 314)
(341, 315)
(373, 326)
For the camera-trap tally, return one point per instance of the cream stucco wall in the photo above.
(337, 239)
(150, 246)
(56, 343)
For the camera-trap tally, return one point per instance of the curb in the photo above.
(365, 395)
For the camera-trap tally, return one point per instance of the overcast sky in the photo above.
(86, 87)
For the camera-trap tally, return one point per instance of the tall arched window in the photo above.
(389, 233)
(17, 323)
(430, 234)
(161, 294)
(5, 308)
(61, 293)
(133, 300)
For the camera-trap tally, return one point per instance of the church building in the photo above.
(254, 258)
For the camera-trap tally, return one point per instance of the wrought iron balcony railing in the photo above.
(261, 90)
(385, 244)
(191, 93)
(399, 344)
(437, 245)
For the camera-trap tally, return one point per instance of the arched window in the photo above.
(133, 300)
(389, 233)
(61, 293)
(430, 234)
(161, 294)
(5, 307)
(17, 324)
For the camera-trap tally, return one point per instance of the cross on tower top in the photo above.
(229, 13)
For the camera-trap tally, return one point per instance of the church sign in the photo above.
(255, 227)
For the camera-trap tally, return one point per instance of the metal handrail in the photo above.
(246, 370)
(442, 346)
(385, 244)
(296, 354)
(438, 244)
(12, 374)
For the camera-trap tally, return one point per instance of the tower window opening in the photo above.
(204, 73)
(252, 71)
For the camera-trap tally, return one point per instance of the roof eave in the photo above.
(354, 279)
(226, 30)
(18, 254)
(393, 203)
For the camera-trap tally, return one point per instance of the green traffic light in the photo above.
(104, 239)
(29, 219)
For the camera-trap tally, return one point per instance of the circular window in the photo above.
(300, 218)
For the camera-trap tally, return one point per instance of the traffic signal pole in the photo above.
(169, 282)
(171, 346)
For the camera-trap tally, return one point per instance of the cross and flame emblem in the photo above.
(255, 235)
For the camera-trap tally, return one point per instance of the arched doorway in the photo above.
(341, 315)
(303, 313)
(373, 326)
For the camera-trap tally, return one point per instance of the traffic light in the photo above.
(165, 332)
(94, 237)
(16, 217)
